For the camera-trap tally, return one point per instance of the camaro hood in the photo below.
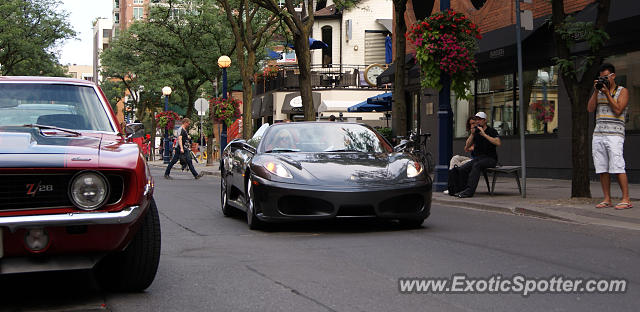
(344, 168)
(28, 148)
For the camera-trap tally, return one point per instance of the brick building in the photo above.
(495, 89)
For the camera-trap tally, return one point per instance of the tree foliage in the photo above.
(300, 27)
(30, 30)
(249, 23)
(177, 46)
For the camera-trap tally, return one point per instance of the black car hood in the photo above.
(342, 168)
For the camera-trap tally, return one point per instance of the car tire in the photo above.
(134, 269)
(252, 220)
(224, 198)
(411, 223)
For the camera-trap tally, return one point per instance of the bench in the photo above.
(514, 170)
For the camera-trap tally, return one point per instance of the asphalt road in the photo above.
(213, 263)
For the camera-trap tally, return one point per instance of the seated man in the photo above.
(484, 139)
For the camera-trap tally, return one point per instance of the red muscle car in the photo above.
(73, 193)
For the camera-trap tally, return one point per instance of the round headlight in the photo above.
(88, 190)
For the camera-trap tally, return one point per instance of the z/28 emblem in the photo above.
(33, 189)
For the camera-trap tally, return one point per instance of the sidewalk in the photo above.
(546, 198)
(200, 167)
(550, 198)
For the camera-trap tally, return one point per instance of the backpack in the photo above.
(457, 180)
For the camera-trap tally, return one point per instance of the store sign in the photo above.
(497, 53)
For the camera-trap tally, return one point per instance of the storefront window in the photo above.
(628, 75)
(542, 115)
(462, 109)
(495, 98)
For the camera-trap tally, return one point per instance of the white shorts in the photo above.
(607, 153)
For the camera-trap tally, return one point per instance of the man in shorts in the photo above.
(609, 101)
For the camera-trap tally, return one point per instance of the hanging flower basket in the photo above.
(542, 110)
(446, 43)
(166, 119)
(225, 110)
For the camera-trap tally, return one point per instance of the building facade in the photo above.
(102, 33)
(355, 42)
(495, 89)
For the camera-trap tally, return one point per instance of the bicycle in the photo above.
(416, 144)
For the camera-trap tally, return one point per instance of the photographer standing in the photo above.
(484, 140)
(609, 101)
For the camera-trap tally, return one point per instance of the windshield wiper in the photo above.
(52, 127)
(283, 150)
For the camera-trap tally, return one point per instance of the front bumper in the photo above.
(126, 215)
(276, 201)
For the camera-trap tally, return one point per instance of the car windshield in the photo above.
(323, 137)
(59, 105)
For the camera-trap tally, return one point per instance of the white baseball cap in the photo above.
(481, 115)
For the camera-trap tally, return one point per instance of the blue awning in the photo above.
(273, 54)
(378, 103)
(382, 99)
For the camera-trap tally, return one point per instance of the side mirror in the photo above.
(134, 130)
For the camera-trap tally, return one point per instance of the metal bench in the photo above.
(515, 170)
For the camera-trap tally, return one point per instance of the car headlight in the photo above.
(88, 190)
(278, 169)
(414, 169)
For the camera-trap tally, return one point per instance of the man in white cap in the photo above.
(484, 140)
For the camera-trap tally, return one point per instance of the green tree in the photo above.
(300, 27)
(577, 75)
(29, 32)
(249, 22)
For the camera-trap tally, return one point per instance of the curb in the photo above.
(520, 211)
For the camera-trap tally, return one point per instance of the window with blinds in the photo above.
(374, 48)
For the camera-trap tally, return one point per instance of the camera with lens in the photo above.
(602, 81)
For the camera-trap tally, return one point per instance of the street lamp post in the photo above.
(224, 62)
(445, 126)
(166, 157)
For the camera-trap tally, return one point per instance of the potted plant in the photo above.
(445, 44)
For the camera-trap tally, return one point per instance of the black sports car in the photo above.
(320, 170)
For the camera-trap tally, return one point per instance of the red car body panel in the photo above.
(100, 151)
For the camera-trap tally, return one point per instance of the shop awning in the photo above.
(293, 102)
(388, 76)
(335, 106)
(387, 23)
(378, 103)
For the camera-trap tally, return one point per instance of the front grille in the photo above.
(30, 191)
(409, 203)
(304, 206)
(356, 211)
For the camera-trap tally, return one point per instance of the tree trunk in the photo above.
(579, 87)
(247, 96)
(580, 184)
(399, 107)
(301, 45)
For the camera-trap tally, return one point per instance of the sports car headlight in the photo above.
(278, 169)
(413, 169)
(88, 190)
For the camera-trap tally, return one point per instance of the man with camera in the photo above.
(609, 101)
(484, 140)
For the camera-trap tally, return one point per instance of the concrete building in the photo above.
(341, 73)
(84, 72)
(102, 33)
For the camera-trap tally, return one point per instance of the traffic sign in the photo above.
(202, 106)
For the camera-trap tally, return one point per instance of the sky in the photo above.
(82, 13)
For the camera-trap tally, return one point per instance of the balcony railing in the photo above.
(335, 76)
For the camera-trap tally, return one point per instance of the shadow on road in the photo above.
(338, 225)
(59, 291)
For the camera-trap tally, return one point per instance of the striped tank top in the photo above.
(607, 123)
